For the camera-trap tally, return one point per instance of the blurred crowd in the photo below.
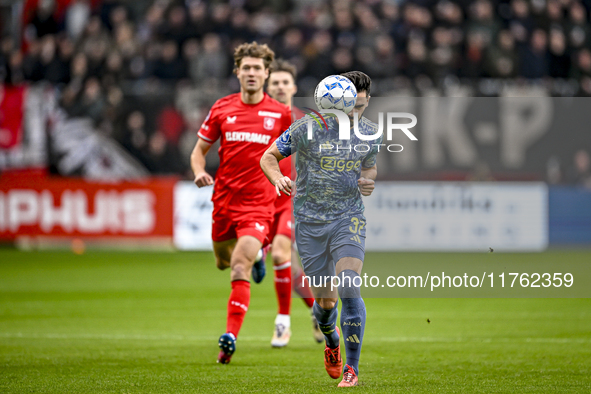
(99, 53)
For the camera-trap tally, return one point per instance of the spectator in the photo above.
(344, 27)
(95, 44)
(90, 102)
(94, 31)
(560, 59)
(111, 11)
(171, 66)
(77, 16)
(220, 17)
(385, 60)
(291, 46)
(14, 69)
(520, 23)
(319, 64)
(583, 71)
(199, 22)
(190, 53)
(577, 28)
(6, 48)
(475, 52)
(369, 27)
(534, 60)
(135, 139)
(117, 16)
(554, 14)
(113, 108)
(483, 22)
(442, 58)
(125, 40)
(44, 22)
(342, 60)
(263, 24)
(163, 158)
(79, 69)
(501, 60)
(113, 70)
(213, 61)
(239, 28)
(151, 23)
(46, 64)
(417, 58)
(176, 27)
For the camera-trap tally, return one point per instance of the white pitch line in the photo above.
(29, 335)
(247, 338)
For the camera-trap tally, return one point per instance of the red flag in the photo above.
(11, 116)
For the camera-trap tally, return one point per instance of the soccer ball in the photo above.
(336, 92)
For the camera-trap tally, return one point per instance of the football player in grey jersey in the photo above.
(332, 175)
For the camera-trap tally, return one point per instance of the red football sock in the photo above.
(283, 286)
(237, 305)
(302, 287)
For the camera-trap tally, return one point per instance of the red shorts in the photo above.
(282, 222)
(229, 225)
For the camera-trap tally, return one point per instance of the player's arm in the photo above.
(208, 133)
(279, 150)
(270, 166)
(202, 178)
(367, 182)
(369, 171)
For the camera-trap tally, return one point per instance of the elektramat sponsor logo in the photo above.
(345, 130)
(248, 137)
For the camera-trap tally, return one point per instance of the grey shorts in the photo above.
(322, 245)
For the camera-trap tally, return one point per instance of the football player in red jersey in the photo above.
(282, 87)
(247, 124)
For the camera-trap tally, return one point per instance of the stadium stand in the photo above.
(146, 72)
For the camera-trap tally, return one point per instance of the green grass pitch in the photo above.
(123, 322)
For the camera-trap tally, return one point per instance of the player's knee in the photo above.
(281, 250)
(326, 303)
(239, 271)
(350, 283)
(280, 256)
(241, 266)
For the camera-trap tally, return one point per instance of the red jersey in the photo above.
(246, 131)
(284, 201)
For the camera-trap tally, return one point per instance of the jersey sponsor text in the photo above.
(248, 137)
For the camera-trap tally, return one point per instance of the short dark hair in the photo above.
(361, 80)
(284, 65)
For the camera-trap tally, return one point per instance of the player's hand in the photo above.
(366, 186)
(203, 179)
(283, 185)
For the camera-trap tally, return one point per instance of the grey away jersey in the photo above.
(328, 168)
